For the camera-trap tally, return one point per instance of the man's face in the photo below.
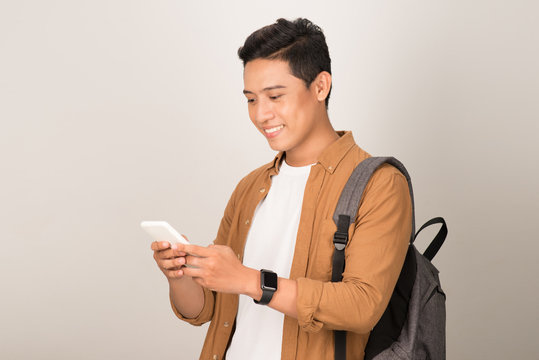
(281, 107)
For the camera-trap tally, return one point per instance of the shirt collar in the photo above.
(273, 167)
(330, 156)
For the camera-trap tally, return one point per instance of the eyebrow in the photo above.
(266, 89)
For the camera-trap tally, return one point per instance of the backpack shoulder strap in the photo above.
(352, 193)
(345, 213)
(348, 205)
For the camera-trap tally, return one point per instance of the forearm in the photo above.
(283, 300)
(187, 296)
(217, 268)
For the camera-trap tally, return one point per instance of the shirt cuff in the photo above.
(207, 310)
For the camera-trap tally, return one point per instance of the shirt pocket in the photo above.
(321, 259)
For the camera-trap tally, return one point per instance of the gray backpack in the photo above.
(413, 324)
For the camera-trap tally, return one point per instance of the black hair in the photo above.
(300, 43)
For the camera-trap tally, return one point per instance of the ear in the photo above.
(321, 85)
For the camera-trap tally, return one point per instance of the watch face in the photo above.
(269, 280)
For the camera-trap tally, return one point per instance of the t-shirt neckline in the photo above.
(294, 170)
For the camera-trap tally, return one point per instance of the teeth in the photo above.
(277, 128)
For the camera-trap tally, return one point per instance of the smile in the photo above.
(272, 130)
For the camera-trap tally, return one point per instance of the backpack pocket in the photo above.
(431, 326)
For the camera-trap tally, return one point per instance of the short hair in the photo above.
(300, 43)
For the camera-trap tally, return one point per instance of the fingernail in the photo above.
(174, 246)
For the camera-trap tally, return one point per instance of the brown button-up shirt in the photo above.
(374, 255)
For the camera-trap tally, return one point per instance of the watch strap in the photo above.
(266, 297)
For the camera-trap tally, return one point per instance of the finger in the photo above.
(178, 253)
(173, 264)
(194, 261)
(193, 272)
(164, 254)
(174, 274)
(197, 250)
(179, 247)
(160, 245)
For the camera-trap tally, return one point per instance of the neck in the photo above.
(310, 149)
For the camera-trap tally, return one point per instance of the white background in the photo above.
(113, 112)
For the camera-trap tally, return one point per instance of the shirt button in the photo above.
(239, 256)
(226, 324)
(215, 357)
(247, 222)
(262, 190)
(330, 168)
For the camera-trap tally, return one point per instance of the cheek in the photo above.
(300, 114)
(251, 112)
(291, 112)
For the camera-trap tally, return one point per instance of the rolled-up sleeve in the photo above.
(207, 311)
(374, 257)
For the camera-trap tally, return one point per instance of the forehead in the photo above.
(262, 73)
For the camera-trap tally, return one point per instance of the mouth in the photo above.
(273, 132)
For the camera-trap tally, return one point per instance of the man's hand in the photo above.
(217, 268)
(169, 259)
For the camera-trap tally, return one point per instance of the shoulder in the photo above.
(386, 173)
(356, 155)
(386, 182)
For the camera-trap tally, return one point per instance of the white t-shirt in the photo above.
(270, 245)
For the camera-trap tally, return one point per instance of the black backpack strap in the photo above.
(345, 213)
(439, 239)
(340, 239)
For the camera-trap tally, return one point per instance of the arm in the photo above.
(218, 268)
(189, 300)
(186, 296)
(374, 257)
(387, 208)
(283, 300)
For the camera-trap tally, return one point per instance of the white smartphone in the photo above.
(163, 231)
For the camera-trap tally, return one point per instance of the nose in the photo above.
(263, 111)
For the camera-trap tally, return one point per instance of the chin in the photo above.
(278, 146)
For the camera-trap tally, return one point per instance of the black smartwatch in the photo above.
(268, 284)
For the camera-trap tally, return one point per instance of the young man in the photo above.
(279, 218)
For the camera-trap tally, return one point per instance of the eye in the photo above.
(250, 100)
(275, 97)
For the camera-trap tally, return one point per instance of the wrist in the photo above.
(252, 284)
(175, 281)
